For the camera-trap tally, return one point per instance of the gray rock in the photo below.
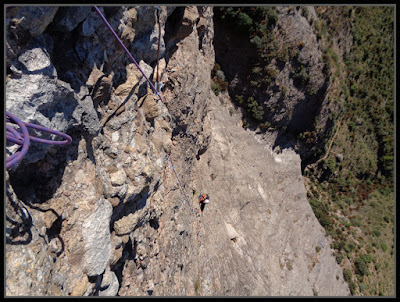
(145, 19)
(91, 23)
(127, 223)
(146, 69)
(71, 17)
(145, 48)
(339, 157)
(89, 118)
(220, 75)
(37, 60)
(109, 285)
(58, 278)
(38, 99)
(118, 178)
(36, 18)
(97, 239)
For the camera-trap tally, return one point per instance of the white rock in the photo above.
(109, 283)
(115, 136)
(97, 239)
(118, 178)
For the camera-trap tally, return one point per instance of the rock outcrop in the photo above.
(106, 215)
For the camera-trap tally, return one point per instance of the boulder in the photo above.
(45, 101)
(36, 18)
(97, 239)
(149, 106)
(70, 17)
(91, 23)
(109, 284)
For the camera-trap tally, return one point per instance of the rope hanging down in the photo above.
(156, 89)
(23, 139)
(127, 51)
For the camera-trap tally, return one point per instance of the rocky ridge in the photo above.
(105, 216)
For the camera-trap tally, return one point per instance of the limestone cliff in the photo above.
(105, 215)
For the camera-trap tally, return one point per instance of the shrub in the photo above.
(215, 88)
(376, 232)
(349, 247)
(352, 287)
(256, 41)
(254, 109)
(384, 247)
(361, 267)
(321, 211)
(351, 125)
(348, 200)
(239, 99)
(244, 21)
(339, 258)
(300, 76)
(367, 258)
(362, 287)
(331, 164)
(272, 18)
(347, 275)
(304, 12)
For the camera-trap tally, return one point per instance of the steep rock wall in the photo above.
(106, 215)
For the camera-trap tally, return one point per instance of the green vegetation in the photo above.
(370, 66)
(351, 189)
(197, 286)
(218, 82)
(353, 198)
(257, 23)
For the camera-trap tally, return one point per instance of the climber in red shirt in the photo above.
(203, 200)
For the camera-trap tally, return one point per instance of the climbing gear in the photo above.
(158, 86)
(23, 139)
(127, 51)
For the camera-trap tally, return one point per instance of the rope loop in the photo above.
(23, 138)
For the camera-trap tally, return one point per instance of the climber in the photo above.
(203, 200)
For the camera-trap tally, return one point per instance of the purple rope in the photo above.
(23, 139)
(17, 156)
(127, 51)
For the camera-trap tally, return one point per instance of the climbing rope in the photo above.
(156, 92)
(23, 138)
(158, 85)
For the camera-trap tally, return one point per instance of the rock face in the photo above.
(106, 215)
(269, 238)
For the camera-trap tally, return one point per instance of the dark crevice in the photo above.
(171, 27)
(128, 254)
